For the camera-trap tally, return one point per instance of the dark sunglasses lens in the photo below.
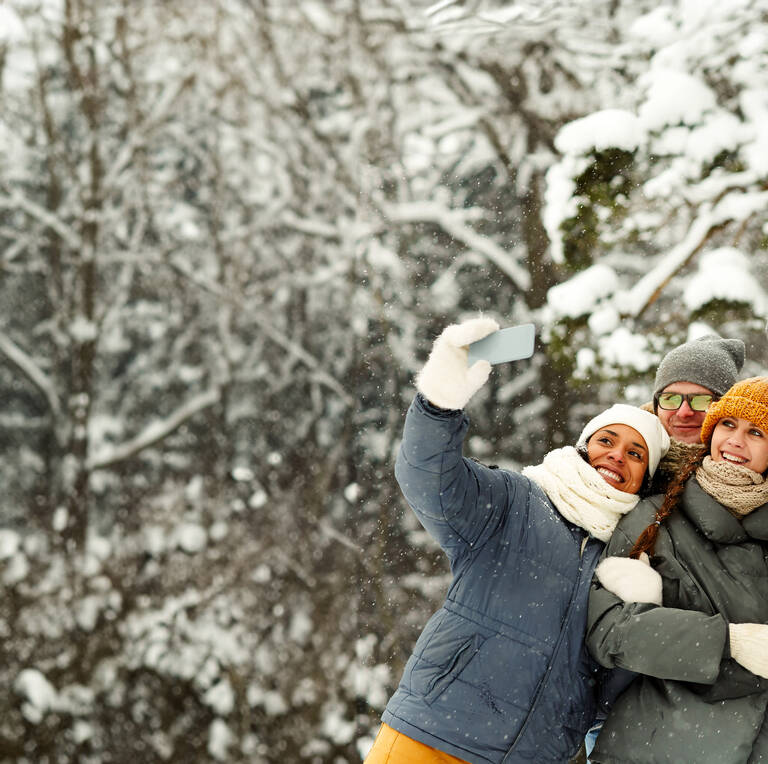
(700, 402)
(670, 401)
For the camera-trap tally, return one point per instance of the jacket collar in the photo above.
(717, 523)
(756, 523)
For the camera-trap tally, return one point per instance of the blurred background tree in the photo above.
(229, 234)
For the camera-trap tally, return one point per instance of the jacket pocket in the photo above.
(461, 658)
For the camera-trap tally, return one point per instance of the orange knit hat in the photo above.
(747, 399)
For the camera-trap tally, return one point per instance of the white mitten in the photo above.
(749, 646)
(631, 580)
(445, 380)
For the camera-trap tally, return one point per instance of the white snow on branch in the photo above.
(220, 739)
(10, 542)
(332, 533)
(189, 537)
(754, 105)
(739, 206)
(714, 186)
(155, 431)
(610, 128)
(455, 223)
(724, 274)
(465, 120)
(581, 294)
(624, 349)
(39, 694)
(309, 226)
(83, 330)
(11, 28)
(56, 224)
(441, 5)
(721, 132)
(27, 365)
(159, 112)
(322, 376)
(664, 105)
(560, 201)
(305, 357)
(733, 207)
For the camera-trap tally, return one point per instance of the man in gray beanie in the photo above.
(688, 379)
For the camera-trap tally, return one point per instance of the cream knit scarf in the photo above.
(579, 492)
(738, 488)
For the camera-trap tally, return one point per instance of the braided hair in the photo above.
(646, 541)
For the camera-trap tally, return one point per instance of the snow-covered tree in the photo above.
(659, 202)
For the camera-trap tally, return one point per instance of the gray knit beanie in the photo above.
(710, 361)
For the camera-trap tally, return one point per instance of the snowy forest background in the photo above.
(229, 232)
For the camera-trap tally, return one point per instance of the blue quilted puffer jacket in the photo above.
(500, 672)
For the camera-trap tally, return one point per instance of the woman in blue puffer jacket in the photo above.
(500, 672)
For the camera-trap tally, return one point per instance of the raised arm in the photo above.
(457, 500)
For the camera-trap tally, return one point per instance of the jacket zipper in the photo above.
(545, 678)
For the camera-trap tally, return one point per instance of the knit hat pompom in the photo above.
(709, 361)
(647, 424)
(747, 399)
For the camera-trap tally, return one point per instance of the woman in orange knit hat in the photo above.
(697, 634)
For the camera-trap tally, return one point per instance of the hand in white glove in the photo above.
(631, 580)
(749, 646)
(445, 380)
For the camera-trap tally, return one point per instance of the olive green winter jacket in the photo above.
(692, 702)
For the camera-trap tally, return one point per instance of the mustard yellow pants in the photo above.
(392, 747)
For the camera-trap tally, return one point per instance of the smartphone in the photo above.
(511, 344)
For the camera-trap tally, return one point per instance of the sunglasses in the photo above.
(673, 401)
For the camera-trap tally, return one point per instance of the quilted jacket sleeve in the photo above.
(459, 501)
(668, 643)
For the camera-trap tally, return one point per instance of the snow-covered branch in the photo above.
(159, 112)
(155, 431)
(56, 224)
(454, 223)
(312, 227)
(306, 358)
(332, 533)
(736, 206)
(27, 365)
(713, 187)
(322, 376)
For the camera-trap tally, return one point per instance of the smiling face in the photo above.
(619, 453)
(739, 441)
(683, 424)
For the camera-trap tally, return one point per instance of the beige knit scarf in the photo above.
(579, 493)
(679, 455)
(738, 488)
